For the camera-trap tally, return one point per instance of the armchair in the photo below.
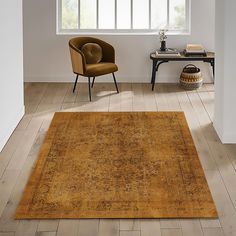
(81, 67)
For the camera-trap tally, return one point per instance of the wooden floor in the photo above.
(42, 100)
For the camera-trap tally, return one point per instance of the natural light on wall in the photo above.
(127, 16)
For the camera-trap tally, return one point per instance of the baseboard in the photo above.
(225, 138)
(107, 79)
(229, 139)
(6, 134)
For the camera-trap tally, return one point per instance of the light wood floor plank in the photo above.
(68, 227)
(73, 107)
(82, 91)
(161, 98)
(7, 183)
(150, 227)
(45, 113)
(130, 233)
(126, 97)
(27, 228)
(213, 232)
(48, 225)
(210, 223)
(54, 93)
(9, 149)
(171, 232)
(130, 224)
(46, 233)
(30, 109)
(138, 98)
(70, 97)
(34, 93)
(203, 121)
(109, 228)
(115, 101)
(101, 97)
(210, 87)
(226, 169)
(191, 227)
(200, 141)
(208, 102)
(7, 234)
(231, 152)
(220, 154)
(226, 210)
(7, 222)
(170, 224)
(88, 227)
(171, 97)
(149, 98)
(18, 159)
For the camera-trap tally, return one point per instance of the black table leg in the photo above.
(156, 70)
(213, 67)
(212, 63)
(154, 64)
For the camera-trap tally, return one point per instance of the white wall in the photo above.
(11, 68)
(47, 57)
(225, 108)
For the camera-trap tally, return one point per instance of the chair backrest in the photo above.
(78, 42)
(77, 61)
(107, 49)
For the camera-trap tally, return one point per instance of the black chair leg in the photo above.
(89, 86)
(93, 82)
(115, 82)
(75, 83)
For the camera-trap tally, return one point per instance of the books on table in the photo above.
(195, 50)
(170, 52)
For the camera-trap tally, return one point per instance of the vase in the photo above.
(163, 46)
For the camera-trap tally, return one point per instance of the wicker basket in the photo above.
(191, 77)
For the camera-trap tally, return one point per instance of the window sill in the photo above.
(176, 33)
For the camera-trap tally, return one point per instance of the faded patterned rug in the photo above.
(117, 165)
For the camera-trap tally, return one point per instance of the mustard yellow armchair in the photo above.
(81, 66)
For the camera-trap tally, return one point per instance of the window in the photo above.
(122, 16)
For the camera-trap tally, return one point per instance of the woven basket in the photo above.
(191, 77)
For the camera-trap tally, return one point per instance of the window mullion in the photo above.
(97, 15)
(187, 16)
(150, 13)
(59, 15)
(115, 14)
(79, 14)
(168, 14)
(131, 14)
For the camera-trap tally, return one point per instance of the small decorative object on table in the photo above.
(163, 37)
(169, 52)
(191, 77)
(195, 50)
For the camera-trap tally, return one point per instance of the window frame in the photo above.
(60, 31)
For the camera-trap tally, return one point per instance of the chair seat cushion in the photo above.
(102, 68)
(92, 53)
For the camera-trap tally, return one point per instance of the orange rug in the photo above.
(117, 165)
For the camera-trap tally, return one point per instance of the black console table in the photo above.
(158, 60)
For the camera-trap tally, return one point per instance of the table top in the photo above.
(210, 55)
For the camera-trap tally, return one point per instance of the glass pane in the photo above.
(158, 14)
(140, 14)
(177, 14)
(123, 14)
(69, 14)
(106, 14)
(88, 14)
